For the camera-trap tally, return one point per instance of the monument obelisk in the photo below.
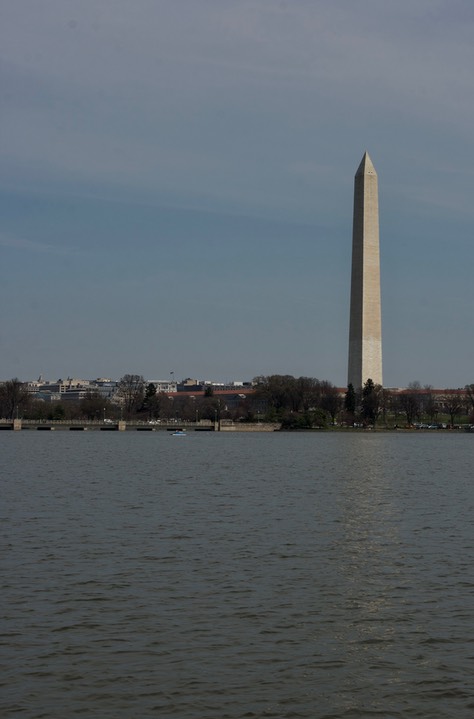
(365, 334)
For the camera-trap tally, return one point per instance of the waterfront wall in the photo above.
(121, 426)
(247, 427)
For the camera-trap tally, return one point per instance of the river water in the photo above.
(223, 576)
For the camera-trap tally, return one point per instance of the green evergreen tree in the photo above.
(350, 399)
(150, 391)
(371, 401)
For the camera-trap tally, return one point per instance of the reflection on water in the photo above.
(237, 576)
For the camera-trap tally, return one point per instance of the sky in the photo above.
(176, 186)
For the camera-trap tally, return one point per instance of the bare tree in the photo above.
(131, 390)
(410, 401)
(285, 392)
(308, 392)
(279, 391)
(94, 406)
(331, 401)
(428, 402)
(13, 398)
(469, 390)
(453, 404)
(386, 400)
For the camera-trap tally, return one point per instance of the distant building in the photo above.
(71, 389)
(163, 385)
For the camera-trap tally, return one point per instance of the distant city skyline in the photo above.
(166, 383)
(176, 186)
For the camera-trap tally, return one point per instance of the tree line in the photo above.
(308, 402)
(296, 402)
(413, 404)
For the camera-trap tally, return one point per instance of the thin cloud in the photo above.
(24, 244)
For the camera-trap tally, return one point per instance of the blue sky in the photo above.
(176, 186)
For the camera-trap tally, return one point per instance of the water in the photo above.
(229, 576)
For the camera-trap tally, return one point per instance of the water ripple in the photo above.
(314, 576)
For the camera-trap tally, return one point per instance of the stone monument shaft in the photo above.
(365, 334)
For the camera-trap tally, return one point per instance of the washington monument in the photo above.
(365, 334)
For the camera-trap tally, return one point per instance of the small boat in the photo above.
(179, 433)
